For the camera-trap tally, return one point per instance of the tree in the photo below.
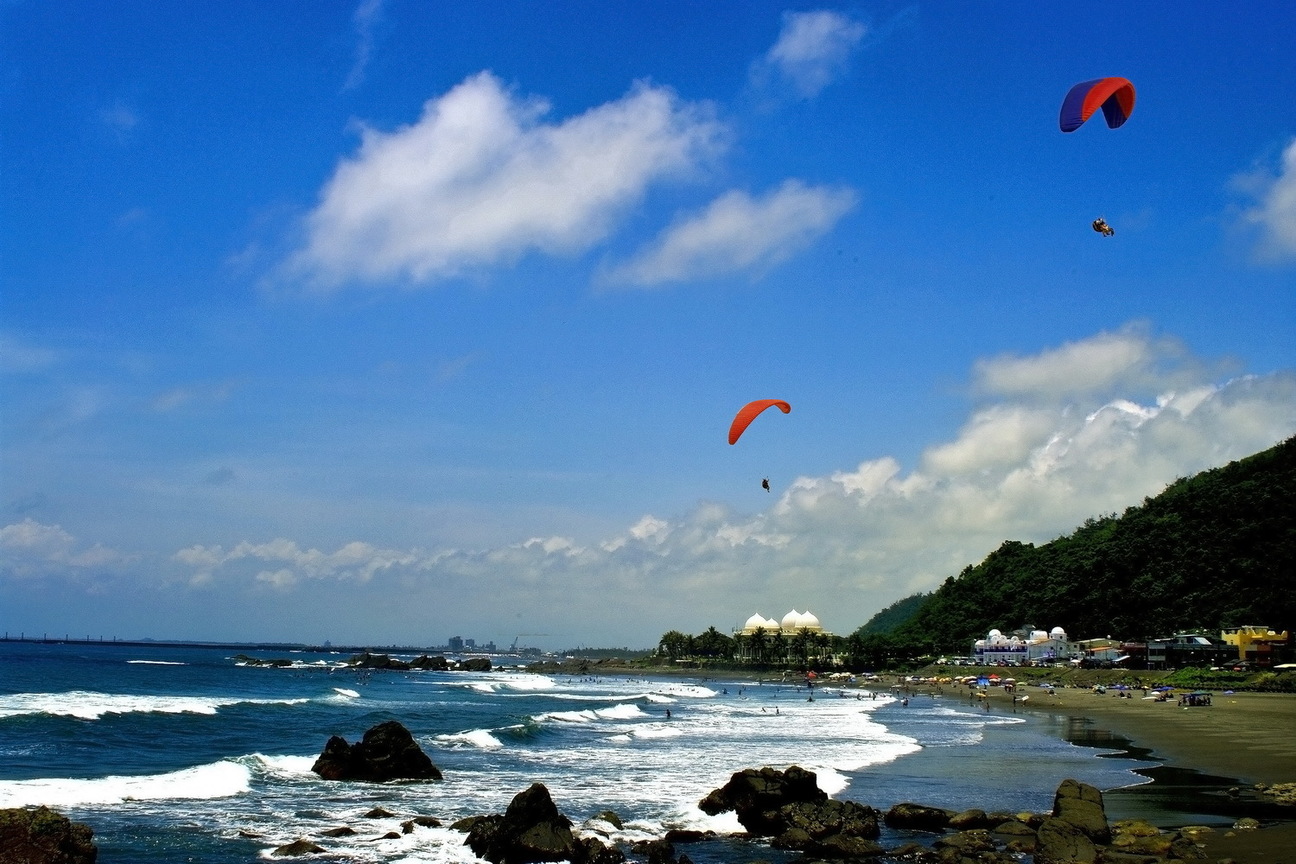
(674, 644)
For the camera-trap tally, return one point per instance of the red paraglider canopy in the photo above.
(748, 413)
(1115, 95)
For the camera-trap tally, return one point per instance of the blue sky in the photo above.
(391, 321)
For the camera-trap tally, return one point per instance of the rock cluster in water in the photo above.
(386, 752)
(40, 836)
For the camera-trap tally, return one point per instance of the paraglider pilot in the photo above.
(1100, 225)
(765, 484)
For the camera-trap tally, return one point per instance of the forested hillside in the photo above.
(1217, 549)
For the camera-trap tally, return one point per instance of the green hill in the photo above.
(1213, 550)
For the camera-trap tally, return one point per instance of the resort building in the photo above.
(1256, 644)
(762, 638)
(1022, 647)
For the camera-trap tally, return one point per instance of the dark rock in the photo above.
(531, 830)
(387, 752)
(430, 664)
(594, 852)
(1082, 806)
(378, 813)
(378, 661)
(466, 824)
(686, 835)
(42, 836)
(476, 664)
(611, 818)
(1013, 828)
(656, 851)
(757, 794)
(421, 821)
(970, 820)
(1185, 849)
(1060, 842)
(344, 831)
(298, 848)
(915, 852)
(917, 817)
(967, 842)
(1109, 856)
(278, 662)
(390, 835)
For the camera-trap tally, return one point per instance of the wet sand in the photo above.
(1247, 736)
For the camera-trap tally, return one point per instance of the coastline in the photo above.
(1194, 754)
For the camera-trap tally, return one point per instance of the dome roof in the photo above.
(771, 624)
(1058, 631)
(809, 621)
(1038, 636)
(791, 620)
(994, 633)
(755, 621)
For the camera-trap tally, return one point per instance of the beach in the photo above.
(1250, 737)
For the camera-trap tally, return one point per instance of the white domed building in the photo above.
(1015, 650)
(777, 635)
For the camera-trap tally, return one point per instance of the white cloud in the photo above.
(355, 561)
(1274, 211)
(812, 49)
(1106, 362)
(737, 232)
(480, 180)
(848, 543)
(30, 548)
(365, 18)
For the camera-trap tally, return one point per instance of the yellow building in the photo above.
(1256, 643)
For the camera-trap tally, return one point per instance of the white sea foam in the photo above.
(217, 780)
(350, 694)
(291, 767)
(158, 662)
(89, 705)
(481, 739)
(624, 711)
(691, 691)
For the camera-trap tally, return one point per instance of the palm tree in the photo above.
(759, 643)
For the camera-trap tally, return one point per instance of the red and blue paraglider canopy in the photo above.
(1114, 95)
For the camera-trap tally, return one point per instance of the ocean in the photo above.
(175, 754)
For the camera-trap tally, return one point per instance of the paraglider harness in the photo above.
(1100, 225)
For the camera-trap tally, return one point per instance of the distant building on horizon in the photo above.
(1022, 647)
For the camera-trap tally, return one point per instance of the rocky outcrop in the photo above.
(476, 664)
(297, 849)
(368, 660)
(387, 752)
(1082, 806)
(789, 807)
(532, 830)
(42, 836)
(917, 817)
(430, 664)
(757, 795)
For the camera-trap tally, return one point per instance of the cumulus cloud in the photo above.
(1273, 213)
(482, 179)
(355, 561)
(812, 49)
(30, 548)
(738, 232)
(1127, 359)
(850, 542)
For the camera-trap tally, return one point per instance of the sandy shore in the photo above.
(1247, 736)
